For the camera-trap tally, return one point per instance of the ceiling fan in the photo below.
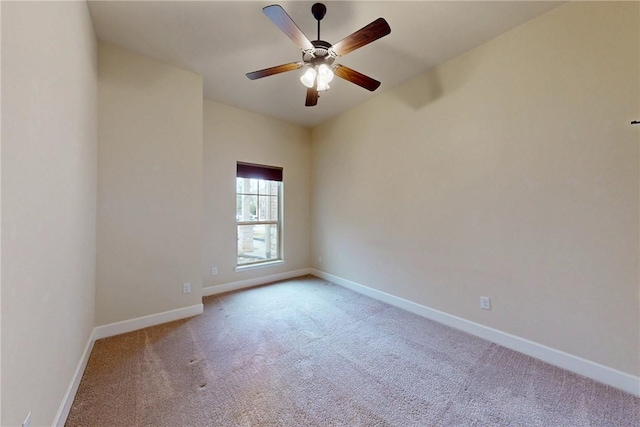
(319, 56)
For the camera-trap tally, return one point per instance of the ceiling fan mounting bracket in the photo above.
(318, 10)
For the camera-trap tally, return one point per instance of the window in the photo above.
(258, 213)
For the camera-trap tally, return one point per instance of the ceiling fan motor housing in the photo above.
(319, 55)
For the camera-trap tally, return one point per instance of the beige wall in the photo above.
(232, 135)
(510, 172)
(149, 186)
(49, 145)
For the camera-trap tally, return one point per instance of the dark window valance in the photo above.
(250, 170)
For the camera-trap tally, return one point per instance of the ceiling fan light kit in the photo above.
(321, 77)
(318, 56)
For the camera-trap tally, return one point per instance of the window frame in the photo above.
(267, 174)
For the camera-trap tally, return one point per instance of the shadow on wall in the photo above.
(421, 91)
(434, 84)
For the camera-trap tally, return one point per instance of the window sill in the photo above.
(261, 265)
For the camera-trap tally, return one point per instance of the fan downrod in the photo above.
(318, 10)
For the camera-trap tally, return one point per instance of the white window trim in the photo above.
(280, 223)
(259, 265)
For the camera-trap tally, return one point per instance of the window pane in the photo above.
(246, 186)
(268, 208)
(273, 188)
(257, 243)
(273, 208)
(246, 208)
(253, 186)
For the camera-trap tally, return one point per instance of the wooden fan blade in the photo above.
(355, 77)
(312, 96)
(274, 70)
(372, 32)
(283, 21)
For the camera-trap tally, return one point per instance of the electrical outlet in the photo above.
(214, 271)
(27, 420)
(485, 303)
(186, 288)
(320, 259)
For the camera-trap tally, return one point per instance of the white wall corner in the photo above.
(262, 280)
(110, 330)
(131, 325)
(576, 364)
(70, 394)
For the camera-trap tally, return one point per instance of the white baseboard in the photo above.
(70, 394)
(110, 330)
(584, 367)
(587, 368)
(125, 326)
(242, 284)
(130, 325)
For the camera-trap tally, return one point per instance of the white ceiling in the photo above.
(223, 40)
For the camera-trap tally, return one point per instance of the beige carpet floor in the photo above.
(306, 352)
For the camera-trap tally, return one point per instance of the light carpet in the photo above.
(305, 352)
